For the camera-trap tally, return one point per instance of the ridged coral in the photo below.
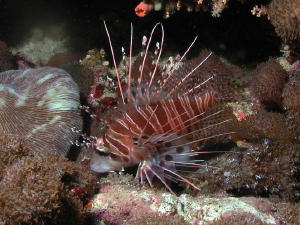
(40, 106)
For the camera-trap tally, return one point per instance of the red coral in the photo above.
(143, 9)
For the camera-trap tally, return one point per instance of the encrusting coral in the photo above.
(11, 150)
(291, 102)
(261, 170)
(41, 106)
(40, 189)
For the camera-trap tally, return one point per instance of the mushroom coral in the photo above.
(40, 106)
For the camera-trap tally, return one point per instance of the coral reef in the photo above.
(41, 106)
(38, 189)
(251, 178)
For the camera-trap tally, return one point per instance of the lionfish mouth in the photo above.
(170, 106)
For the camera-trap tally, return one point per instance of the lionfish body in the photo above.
(156, 126)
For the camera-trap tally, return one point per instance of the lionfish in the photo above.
(156, 123)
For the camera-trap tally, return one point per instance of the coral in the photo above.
(285, 17)
(223, 76)
(264, 124)
(40, 106)
(267, 83)
(170, 7)
(129, 204)
(291, 93)
(266, 168)
(42, 44)
(289, 212)
(38, 190)
(103, 91)
(291, 96)
(240, 220)
(143, 9)
(11, 150)
(160, 220)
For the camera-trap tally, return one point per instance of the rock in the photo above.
(125, 203)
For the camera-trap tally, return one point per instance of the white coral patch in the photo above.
(45, 78)
(54, 120)
(60, 99)
(2, 102)
(20, 98)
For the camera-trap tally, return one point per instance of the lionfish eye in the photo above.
(102, 152)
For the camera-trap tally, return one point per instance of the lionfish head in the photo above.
(101, 163)
(103, 160)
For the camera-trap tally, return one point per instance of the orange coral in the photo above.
(143, 9)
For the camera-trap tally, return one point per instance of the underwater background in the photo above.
(58, 84)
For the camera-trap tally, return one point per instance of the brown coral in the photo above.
(37, 190)
(264, 124)
(291, 101)
(285, 17)
(220, 76)
(267, 83)
(11, 150)
(265, 169)
(289, 212)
